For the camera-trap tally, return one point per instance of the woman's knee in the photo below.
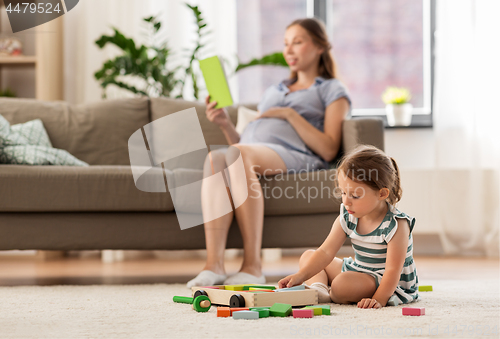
(234, 152)
(215, 161)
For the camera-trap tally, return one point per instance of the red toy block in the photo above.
(223, 312)
(236, 309)
(413, 311)
(303, 313)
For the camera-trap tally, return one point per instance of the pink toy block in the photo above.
(413, 311)
(303, 313)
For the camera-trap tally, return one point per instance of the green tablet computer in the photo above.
(216, 81)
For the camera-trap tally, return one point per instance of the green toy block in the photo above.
(325, 309)
(258, 287)
(263, 311)
(184, 300)
(317, 310)
(425, 288)
(280, 310)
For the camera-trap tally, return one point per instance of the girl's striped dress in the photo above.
(371, 250)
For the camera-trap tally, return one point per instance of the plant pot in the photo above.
(399, 115)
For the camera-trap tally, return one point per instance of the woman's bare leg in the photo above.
(250, 214)
(216, 230)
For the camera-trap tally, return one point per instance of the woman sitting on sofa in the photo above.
(299, 128)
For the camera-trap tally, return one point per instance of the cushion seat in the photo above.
(112, 188)
(72, 189)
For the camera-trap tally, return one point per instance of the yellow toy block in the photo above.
(317, 310)
(234, 287)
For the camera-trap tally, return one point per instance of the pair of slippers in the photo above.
(209, 278)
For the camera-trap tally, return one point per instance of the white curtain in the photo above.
(465, 186)
(92, 18)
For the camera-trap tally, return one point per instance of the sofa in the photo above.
(99, 207)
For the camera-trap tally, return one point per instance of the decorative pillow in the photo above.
(245, 116)
(29, 144)
(33, 131)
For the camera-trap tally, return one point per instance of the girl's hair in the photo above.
(327, 67)
(370, 166)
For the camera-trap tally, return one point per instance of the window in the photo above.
(261, 26)
(381, 43)
(375, 44)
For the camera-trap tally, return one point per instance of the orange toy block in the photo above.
(223, 312)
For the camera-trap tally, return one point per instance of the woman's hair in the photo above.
(327, 67)
(370, 166)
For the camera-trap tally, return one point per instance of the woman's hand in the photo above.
(291, 280)
(278, 112)
(218, 116)
(369, 303)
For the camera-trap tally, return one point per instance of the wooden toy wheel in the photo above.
(237, 300)
(200, 292)
(201, 303)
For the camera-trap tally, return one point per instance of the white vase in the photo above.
(399, 115)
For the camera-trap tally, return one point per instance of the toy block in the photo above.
(212, 287)
(245, 315)
(234, 287)
(413, 311)
(251, 289)
(425, 288)
(293, 288)
(263, 311)
(184, 300)
(303, 313)
(201, 303)
(280, 310)
(325, 309)
(393, 301)
(317, 310)
(223, 312)
(236, 309)
(259, 287)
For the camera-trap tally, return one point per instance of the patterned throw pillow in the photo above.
(33, 131)
(29, 144)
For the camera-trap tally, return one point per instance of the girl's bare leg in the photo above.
(325, 276)
(351, 287)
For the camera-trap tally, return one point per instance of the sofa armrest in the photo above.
(362, 132)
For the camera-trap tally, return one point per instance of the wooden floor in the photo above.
(16, 271)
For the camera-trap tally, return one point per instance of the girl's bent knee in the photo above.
(305, 256)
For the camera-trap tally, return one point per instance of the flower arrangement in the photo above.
(396, 95)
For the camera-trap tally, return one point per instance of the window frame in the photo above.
(422, 116)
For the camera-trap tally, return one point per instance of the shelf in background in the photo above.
(17, 60)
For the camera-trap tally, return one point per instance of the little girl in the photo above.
(380, 234)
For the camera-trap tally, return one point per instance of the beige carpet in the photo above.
(463, 309)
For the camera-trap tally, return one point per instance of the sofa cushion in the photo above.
(300, 193)
(161, 107)
(96, 133)
(69, 189)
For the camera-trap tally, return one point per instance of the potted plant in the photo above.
(398, 108)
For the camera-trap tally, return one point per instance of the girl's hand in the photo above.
(218, 116)
(278, 112)
(369, 303)
(291, 280)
